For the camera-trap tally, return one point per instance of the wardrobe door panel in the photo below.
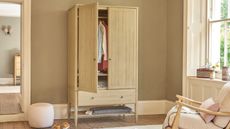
(123, 52)
(88, 24)
(72, 54)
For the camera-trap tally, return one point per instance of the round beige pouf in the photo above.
(41, 115)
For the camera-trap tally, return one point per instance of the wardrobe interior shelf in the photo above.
(102, 88)
(102, 74)
(103, 17)
(81, 114)
(99, 74)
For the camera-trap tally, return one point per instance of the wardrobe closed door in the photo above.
(123, 48)
(88, 24)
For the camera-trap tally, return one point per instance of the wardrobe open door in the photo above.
(72, 25)
(123, 48)
(88, 24)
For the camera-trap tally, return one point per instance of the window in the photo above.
(219, 32)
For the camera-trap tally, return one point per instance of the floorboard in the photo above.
(90, 123)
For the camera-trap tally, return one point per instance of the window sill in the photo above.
(207, 79)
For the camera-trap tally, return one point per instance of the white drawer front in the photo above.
(106, 97)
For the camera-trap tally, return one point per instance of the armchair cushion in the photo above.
(189, 119)
(224, 100)
(211, 105)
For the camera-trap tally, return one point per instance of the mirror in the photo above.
(10, 55)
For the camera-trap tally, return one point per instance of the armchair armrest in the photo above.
(181, 103)
(182, 98)
(203, 110)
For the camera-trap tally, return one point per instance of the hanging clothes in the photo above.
(100, 41)
(105, 39)
(105, 48)
(102, 47)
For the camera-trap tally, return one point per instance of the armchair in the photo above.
(185, 115)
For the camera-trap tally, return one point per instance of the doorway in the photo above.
(10, 55)
(15, 72)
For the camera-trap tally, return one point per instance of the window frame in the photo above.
(209, 12)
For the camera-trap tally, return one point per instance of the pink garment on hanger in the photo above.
(103, 66)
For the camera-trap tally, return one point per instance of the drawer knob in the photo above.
(122, 97)
(92, 98)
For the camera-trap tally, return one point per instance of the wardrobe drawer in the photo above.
(106, 97)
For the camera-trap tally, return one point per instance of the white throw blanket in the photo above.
(171, 115)
(138, 127)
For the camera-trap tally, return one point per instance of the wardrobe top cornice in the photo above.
(105, 7)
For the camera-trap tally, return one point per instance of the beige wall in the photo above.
(175, 48)
(49, 52)
(152, 49)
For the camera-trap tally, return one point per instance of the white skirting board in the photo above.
(154, 107)
(60, 111)
(150, 107)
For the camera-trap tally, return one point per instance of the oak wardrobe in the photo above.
(102, 58)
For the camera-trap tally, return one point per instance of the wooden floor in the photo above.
(9, 103)
(90, 123)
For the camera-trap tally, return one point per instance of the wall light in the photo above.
(7, 29)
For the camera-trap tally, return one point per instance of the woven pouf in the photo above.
(41, 115)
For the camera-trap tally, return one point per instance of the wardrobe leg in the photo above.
(69, 111)
(123, 116)
(75, 119)
(136, 117)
